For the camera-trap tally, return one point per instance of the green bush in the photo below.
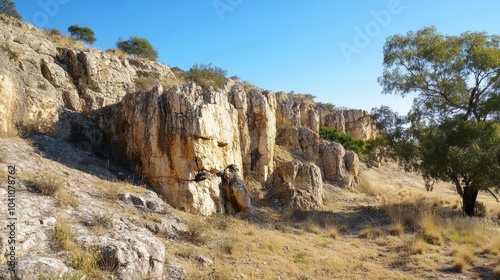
(206, 76)
(9, 8)
(138, 47)
(346, 140)
(84, 34)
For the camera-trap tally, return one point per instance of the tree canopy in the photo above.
(138, 47)
(452, 132)
(84, 34)
(9, 8)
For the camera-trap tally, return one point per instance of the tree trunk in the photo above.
(469, 200)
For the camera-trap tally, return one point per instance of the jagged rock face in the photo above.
(177, 134)
(356, 123)
(300, 185)
(300, 112)
(101, 78)
(338, 166)
(234, 193)
(294, 113)
(39, 78)
(183, 133)
(257, 126)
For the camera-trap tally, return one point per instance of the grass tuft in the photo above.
(61, 236)
(397, 229)
(47, 184)
(198, 230)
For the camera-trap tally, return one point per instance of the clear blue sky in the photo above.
(306, 46)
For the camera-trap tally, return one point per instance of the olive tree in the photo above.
(138, 47)
(452, 132)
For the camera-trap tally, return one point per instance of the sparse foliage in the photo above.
(84, 34)
(207, 75)
(452, 132)
(138, 47)
(9, 8)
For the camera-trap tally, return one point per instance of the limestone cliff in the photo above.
(176, 138)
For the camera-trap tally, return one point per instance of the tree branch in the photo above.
(459, 187)
(488, 190)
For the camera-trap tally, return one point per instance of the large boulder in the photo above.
(233, 191)
(300, 185)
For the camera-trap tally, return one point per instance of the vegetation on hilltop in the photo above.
(138, 47)
(207, 75)
(9, 8)
(83, 34)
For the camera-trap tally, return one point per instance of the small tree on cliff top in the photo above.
(84, 34)
(9, 8)
(138, 47)
(452, 132)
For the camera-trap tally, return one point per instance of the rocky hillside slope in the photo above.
(179, 138)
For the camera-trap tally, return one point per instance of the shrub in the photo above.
(138, 47)
(300, 257)
(346, 140)
(46, 184)
(206, 76)
(84, 34)
(198, 230)
(11, 53)
(61, 237)
(9, 8)
(479, 209)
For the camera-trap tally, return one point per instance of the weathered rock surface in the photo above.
(300, 185)
(300, 111)
(126, 244)
(178, 138)
(178, 135)
(337, 166)
(233, 191)
(39, 78)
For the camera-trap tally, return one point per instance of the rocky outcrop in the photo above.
(298, 110)
(182, 137)
(338, 166)
(38, 78)
(132, 249)
(233, 191)
(257, 126)
(300, 185)
(177, 139)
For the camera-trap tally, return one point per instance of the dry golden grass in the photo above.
(87, 261)
(118, 52)
(198, 230)
(493, 246)
(432, 229)
(464, 257)
(311, 226)
(59, 39)
(496, 273)
(47, 183)
(397, 228)
(61, 236)
(371, 232)
(419, 245)
(66, 199)
(333, 232)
